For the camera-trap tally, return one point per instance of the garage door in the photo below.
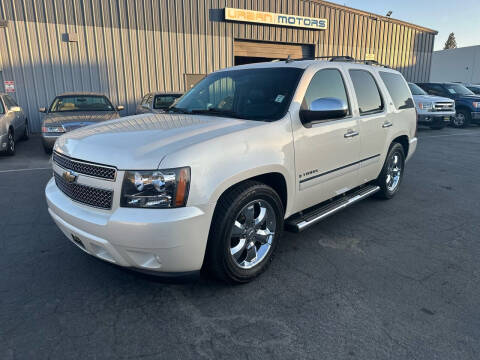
(255, 51)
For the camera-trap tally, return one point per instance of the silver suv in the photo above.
(13, 124)
(246, 151)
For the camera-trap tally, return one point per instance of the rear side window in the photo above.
(398, 89)
(326, 83)
(368, 95)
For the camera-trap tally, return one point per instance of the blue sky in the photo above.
(461, 17)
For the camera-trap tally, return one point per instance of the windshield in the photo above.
(458, 89)
(165, 101)
(416, 90)
(81, 103)
(254, 94)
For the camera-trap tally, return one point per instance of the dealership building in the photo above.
(126, 48)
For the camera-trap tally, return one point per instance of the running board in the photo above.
(309, 217)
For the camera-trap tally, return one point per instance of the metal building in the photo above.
(461, 64)
(125, 48)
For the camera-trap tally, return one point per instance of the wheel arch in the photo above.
(404, 141)
(275, 178)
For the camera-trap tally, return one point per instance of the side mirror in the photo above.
(42, 110)
(120, 107)
(323, 109)
(16, 108)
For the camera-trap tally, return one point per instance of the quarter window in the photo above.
(326, 83)
(368, 95)
(398, 89)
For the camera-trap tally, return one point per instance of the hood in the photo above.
(140, 142)
(75, 119)
(430, 98)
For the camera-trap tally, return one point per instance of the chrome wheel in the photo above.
(11, 143)
(394, 172)
(252, 234)
(459, 119)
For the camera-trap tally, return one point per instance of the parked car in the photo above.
(467, 104)
(157, 102)
(13, 124)
(246, 150)
(473, 88)
(71, 111)
(433, 111)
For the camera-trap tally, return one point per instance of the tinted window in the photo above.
(368, 95)
(326, 84)
(164, 101)
(434, 89)
(458, 89)
(474, 89)
(416, 90)
(398, 89)
(2, 110)
(255, 94)
(81, 103)
(9, 101)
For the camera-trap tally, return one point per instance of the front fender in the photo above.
(226, 160)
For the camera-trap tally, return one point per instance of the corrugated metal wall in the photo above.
(126, 48)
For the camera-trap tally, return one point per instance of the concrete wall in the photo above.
(126, 48)
(462, 64)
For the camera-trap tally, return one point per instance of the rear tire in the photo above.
(26, 132)
(47, 150)
(10, 143)
(461, 119)
(246, 227)
(391, 175)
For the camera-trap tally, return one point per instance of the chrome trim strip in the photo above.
(306, 224)
(86, 163)
(340, 168)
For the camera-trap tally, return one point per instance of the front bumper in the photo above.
(476, 115)
(161, 241)
(434, 119)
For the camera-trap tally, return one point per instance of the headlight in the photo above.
(425, 106)
(476, 104)
(53, 129)
(155, 189)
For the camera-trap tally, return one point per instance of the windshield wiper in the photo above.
(214, 111)
(178, 110)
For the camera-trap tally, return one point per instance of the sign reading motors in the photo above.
(261, 17)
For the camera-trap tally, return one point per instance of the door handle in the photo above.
(387, 124)
(350, 134)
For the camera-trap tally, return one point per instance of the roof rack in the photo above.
(342, 58)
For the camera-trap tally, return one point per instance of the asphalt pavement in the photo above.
(396, 279)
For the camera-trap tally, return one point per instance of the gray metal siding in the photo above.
(127, 48)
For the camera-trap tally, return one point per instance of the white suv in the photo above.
(248, 150)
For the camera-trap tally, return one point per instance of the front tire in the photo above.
(10, 143)
(461, 119)
(391, 175)
(246, 227)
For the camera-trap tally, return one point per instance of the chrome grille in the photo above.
(443, 106)
(84, 168)
(87, 195)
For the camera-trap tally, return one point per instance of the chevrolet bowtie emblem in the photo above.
(70, 176)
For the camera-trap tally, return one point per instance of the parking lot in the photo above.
(395, 279)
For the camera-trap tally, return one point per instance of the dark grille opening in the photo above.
(84, 168)
(85, 194)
